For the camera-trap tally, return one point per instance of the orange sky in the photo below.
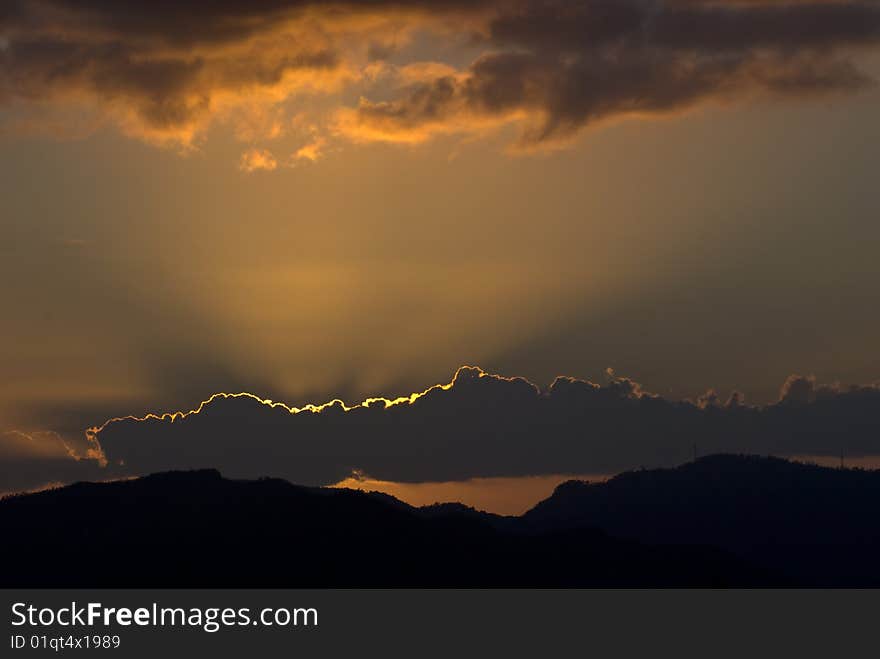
(504, 496)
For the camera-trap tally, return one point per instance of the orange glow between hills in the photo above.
(506, 495)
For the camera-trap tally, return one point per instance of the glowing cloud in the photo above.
(253, 160)
(167, 73)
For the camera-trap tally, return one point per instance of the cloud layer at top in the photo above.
(559, 67)
(167, 71)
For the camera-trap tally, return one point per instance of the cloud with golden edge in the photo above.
(478, 425)
(481, 425)
(93, 432)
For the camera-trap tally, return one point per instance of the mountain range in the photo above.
(720, 521)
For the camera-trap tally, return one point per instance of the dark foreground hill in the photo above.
(818, 526)
(188, 529)
(720, 521)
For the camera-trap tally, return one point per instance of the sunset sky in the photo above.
(308, 201)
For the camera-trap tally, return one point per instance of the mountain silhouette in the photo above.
(197, 529)
(721, 521)
(816, 525)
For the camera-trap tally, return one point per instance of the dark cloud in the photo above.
(161, 70)
(700, 27)
(568, 64)
(483, 425)
(798, 389)
(479, 425)
(188, 22)
(165, 69)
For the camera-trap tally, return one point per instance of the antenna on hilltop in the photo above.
(695, 451)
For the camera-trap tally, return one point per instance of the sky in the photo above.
(308, 201)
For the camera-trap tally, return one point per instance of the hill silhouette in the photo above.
(722, 520)
(191, 529)
(814, 524)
